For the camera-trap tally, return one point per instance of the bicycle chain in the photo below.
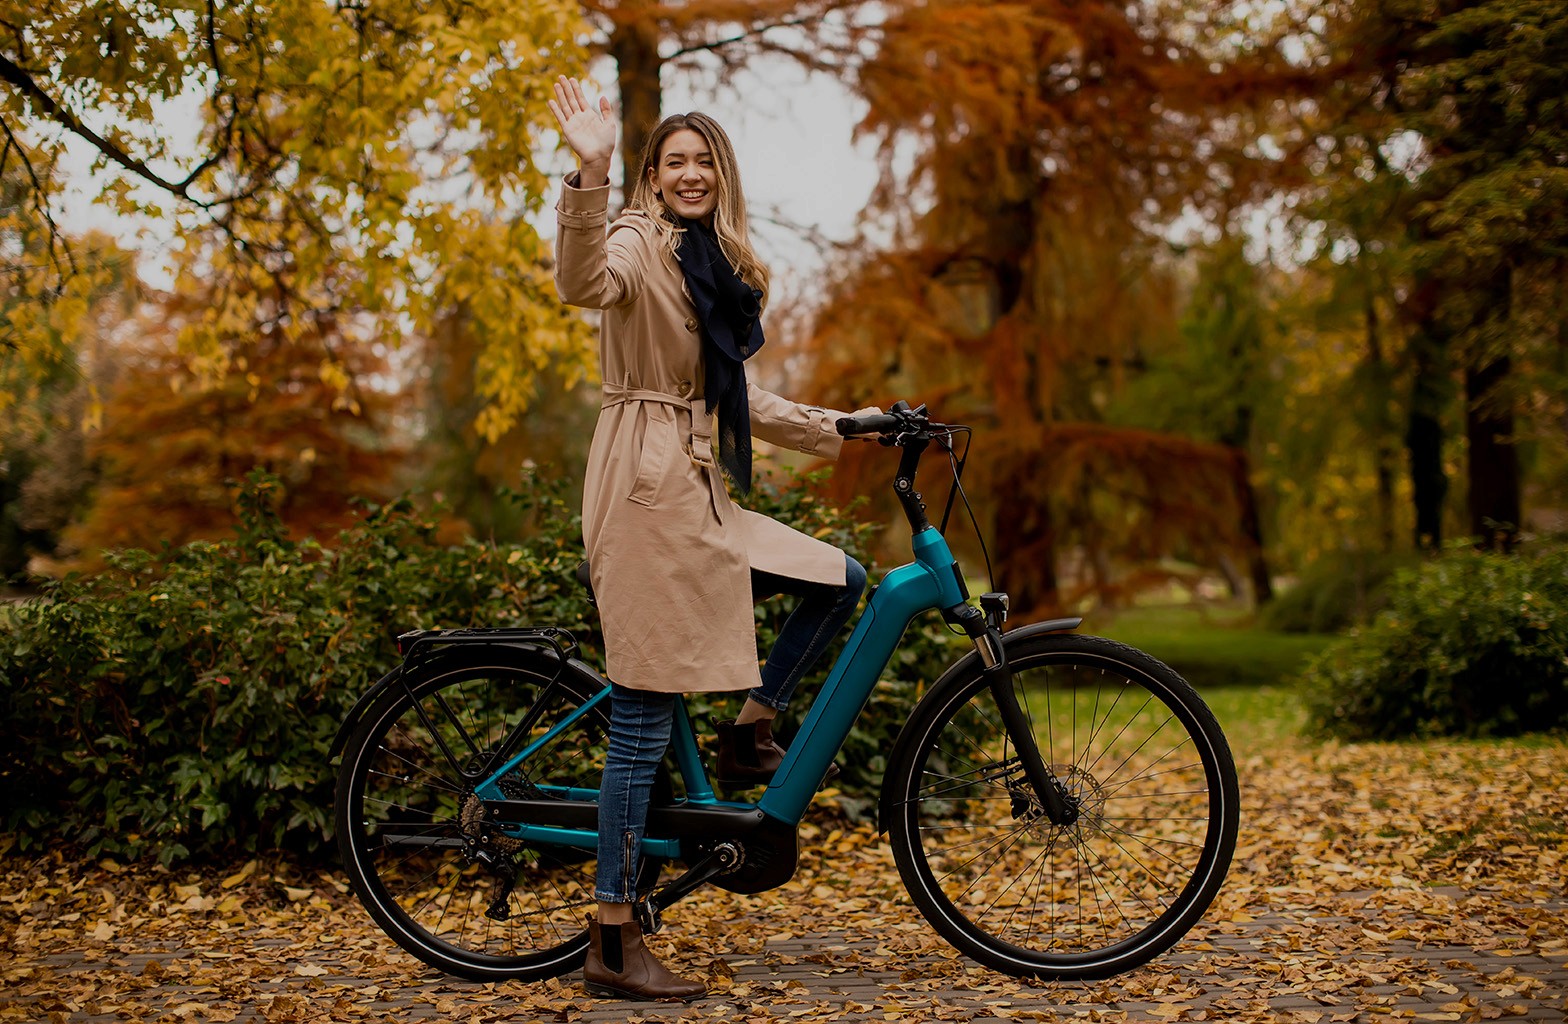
(471, 819)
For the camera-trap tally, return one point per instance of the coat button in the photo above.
(691, 323)
(683, 388)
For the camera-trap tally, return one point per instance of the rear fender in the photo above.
(534, 657)
(357, 712)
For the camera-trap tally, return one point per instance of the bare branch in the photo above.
(56, 239)
(812, 236)
(719, 44)
(26, 86)
(226, 131)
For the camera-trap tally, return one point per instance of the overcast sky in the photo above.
(792, 135)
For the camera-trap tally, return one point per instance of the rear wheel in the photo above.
(436, 876)
(1139, 755)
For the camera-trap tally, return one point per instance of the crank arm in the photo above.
(649, 911)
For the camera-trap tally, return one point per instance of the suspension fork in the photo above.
(984, 629)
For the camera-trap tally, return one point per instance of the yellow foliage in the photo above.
(365, 162)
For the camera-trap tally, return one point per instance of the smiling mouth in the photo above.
(692, 197)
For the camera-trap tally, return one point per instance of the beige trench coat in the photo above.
(670, 553)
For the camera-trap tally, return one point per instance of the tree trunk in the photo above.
(1424, 440)
(1562, 334)
(1494, 484)
(1494, 494)
(1251, 527)
(635, 47)
(1235, 582)
(1026, 544)
(1383, 455)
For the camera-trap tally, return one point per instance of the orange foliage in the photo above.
(178, 438)
(1054, 146)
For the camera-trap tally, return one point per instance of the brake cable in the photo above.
(944, 440)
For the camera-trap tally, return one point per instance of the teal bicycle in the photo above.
(1059, 806)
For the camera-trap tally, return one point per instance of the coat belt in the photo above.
(700, 447)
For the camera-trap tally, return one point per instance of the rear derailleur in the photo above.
(495, 851)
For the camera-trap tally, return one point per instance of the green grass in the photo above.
(1211, 647)
(1246, 675)
(1257, 719)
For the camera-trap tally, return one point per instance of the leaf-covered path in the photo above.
(1373, 883)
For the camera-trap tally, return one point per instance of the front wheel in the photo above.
(1146, 768)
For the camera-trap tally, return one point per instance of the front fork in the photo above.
(984, 628)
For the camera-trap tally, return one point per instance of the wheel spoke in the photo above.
(419, 850)
(1153, 812)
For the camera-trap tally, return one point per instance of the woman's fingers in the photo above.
(563, 96)
(588, 130)
(570, 101)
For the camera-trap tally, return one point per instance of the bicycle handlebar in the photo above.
(912, 431)
(872, 423)
(899, 418)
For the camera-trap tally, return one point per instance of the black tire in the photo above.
(1143, 757)
(401, 806)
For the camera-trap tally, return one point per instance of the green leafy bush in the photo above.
(1335, 593)
(1470, 644)
(184, 703)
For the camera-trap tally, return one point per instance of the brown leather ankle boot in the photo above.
(621, 967)
(748, 756)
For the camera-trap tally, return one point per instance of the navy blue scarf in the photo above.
(730, 312)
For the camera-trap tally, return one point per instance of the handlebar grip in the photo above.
(876, 423)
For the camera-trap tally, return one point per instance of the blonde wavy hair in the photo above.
(729, 214)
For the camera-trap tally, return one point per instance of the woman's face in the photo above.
(684, 177)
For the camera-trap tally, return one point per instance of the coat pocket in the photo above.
(658, 439)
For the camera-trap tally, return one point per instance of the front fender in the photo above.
(965, 666)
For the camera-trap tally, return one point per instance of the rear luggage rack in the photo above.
(419, 644)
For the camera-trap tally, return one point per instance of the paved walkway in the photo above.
(1278, 967)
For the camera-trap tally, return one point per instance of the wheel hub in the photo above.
(1084, 795)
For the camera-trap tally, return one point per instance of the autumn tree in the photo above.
(1451, 125)
(471, 473)
(349, 160)
(178, 439)
(49, 389)
(1051, 147)
(1212, 382)
(646, 37)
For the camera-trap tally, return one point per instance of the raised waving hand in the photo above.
(589, 131)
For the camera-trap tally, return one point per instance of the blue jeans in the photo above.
(820, 614)
(641, 720)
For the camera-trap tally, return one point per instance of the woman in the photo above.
(674, 563)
